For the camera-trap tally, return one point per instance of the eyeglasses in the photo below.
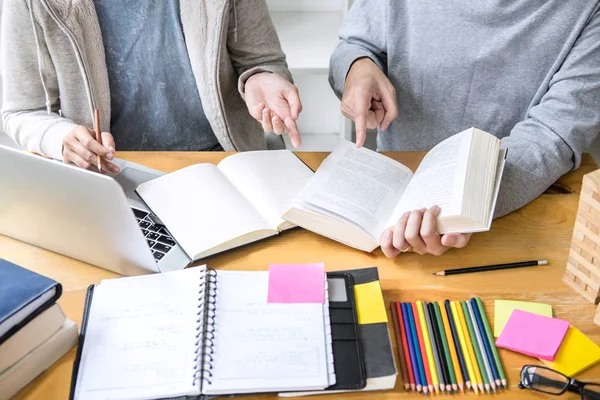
(549, 381)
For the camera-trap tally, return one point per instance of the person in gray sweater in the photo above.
(423, 70)
(164, 75)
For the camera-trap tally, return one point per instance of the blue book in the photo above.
(23, 295)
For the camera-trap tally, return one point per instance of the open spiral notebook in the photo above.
(198, 332)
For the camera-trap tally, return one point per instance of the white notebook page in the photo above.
(262, 347)
(140, 339)
(201, 208)
(270, 179)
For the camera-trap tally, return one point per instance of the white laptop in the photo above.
(91, 217)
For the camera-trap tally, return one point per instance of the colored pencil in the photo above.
(490, 267)
(491, 342)
(444, 339)
(457, 347)
(484, 342)
(412, 362)
(472, 323)
(469, 357)
(399, 344)
(426, 347)
(472, 343)
(435, 347)
(451, 347)
(420, 377)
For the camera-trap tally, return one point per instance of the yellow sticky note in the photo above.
(503, 309)
(369, 303)
(576, 353)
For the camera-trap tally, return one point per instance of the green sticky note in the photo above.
(503, 309)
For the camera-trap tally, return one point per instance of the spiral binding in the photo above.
(205, 330)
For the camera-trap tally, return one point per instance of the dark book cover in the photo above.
(20, 290)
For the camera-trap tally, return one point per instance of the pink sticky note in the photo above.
(533, 335)
(296, 283)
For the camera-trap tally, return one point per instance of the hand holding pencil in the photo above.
(91, 150)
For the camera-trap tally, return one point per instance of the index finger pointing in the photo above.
(292, 129)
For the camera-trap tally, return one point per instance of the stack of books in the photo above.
(34, 332)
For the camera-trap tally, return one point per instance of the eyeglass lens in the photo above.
(591, 392)
(544, 380)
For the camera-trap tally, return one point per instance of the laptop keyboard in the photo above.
(158, 238)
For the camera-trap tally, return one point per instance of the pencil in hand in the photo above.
(98, 136)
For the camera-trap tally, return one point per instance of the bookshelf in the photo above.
(308, 31)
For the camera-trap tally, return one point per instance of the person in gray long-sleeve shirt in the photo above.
(423, 70)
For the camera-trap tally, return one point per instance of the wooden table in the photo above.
(541, 230)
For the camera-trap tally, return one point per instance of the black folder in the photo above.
(348, 357)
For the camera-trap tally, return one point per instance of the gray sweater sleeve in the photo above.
(253, 42)
(550, 141)
(554, 133)
(27, 118)
(363, 34)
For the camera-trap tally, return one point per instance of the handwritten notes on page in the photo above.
(140, 338)
(261, 346)
(296, 283)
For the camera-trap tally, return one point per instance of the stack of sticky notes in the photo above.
(528, 328)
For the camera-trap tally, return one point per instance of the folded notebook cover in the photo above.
(348, 357)
(372, 319)
(19, 287)
(84, 321)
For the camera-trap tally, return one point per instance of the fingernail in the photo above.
(110, 156)
(388, 235)
(450, 241)
(384, 127)
(406, 214)
(111, 149)
(436, 210)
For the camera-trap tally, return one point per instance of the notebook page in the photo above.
(264, 347)
(140, 339)
(270, 179)
(201, 208)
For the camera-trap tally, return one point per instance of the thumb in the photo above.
(456, 240)
(109, 142)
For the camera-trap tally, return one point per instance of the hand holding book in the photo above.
(417, 231)
(357, 195)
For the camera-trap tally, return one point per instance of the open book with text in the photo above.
(212, 208)
(356, 194)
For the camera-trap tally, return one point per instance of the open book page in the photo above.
(439, 179)
(359, 185)
(271, 180)
(201, 208)
(140, 338)
(264, 347)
